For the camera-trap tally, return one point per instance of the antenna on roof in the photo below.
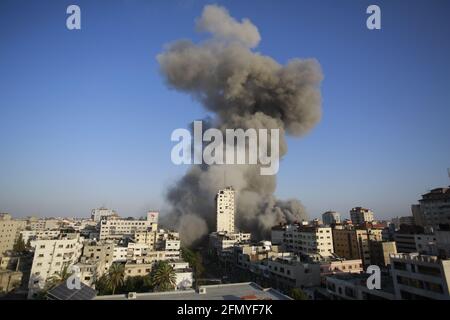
(448, 172)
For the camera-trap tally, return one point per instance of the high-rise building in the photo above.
(361, 215)
(225, 210)
(331, 217)
(433, 209)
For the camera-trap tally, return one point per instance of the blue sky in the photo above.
(85, 117)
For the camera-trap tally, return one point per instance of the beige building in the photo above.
(9, 280)
(9, 231)
(360, 215)
(145, 237)
(99, 253)
(380, 252)
(354, 243)
(225, 210)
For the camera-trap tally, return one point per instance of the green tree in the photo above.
(298, 294)
(163, 277)
(59, 277)
(195, 261)
(19, 245)
(101, 285)
(116, 275)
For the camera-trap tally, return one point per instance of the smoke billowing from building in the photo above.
(244, 89)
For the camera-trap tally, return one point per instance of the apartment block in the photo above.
(50, 257)
(420, 277)
(9, 231)
(98, 253)
(115, 229)
(305, 240)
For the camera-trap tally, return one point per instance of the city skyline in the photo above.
(86, 121)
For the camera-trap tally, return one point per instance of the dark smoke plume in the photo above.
(244, 89)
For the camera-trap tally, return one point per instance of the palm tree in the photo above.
(59, 277)
(116, 275)
(164, 277)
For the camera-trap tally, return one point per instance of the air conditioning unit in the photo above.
(202, 290)
(131, 295)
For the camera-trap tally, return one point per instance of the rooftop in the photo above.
(233, 291)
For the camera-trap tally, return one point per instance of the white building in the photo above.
(304, 240)
(419, 277)
(290, 272)
(98, 214)
(222, 241)
(225, 210)
(331, 217)
(113, 229)
(120, 254)
(184, 275)
(360, 215)
(51, 256)
(29, 235)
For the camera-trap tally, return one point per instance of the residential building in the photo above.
(405, 242)
(100, 254)
(305, 240)
(133, 269)
(290, 272)
(434, 208)
(51, 256)
(420, 277)
(120, 253)
(380, 252)
(29, 235)
(225, 210)
(354, 287)
(426, 244)
(114, 229)
(354, 243)
(9, 231)
(219, 242)
(338, 266)
(359, 215)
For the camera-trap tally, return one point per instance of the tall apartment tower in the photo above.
(225, 209)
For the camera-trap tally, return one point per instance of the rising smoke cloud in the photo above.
(244, 89)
